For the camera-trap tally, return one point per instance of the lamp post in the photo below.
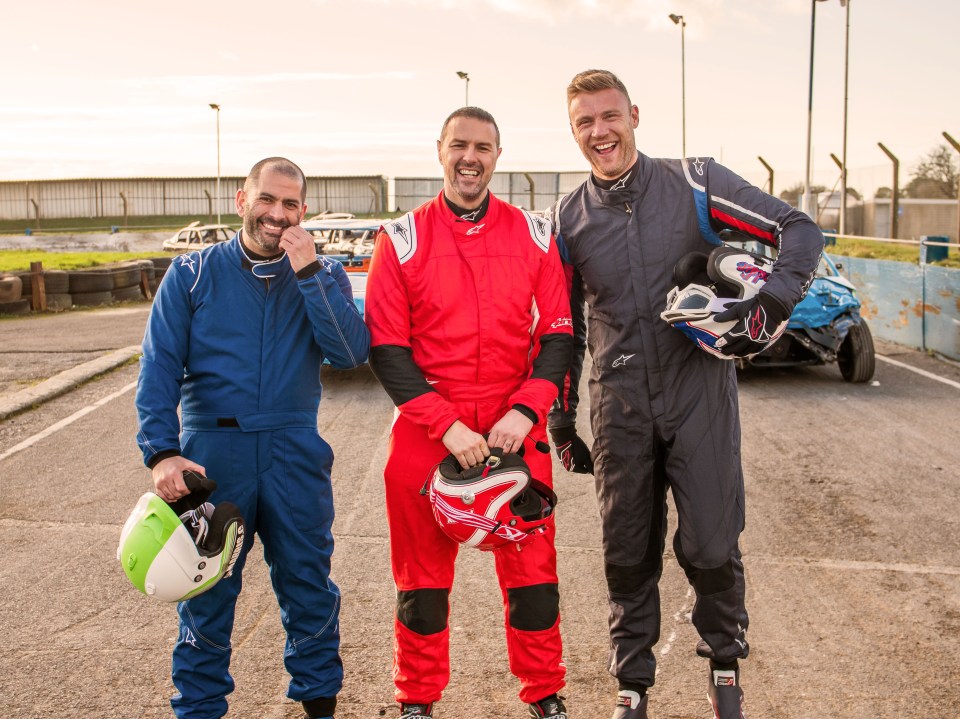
(466, 96)
(216, 107)
(806, 179)
(843, 166)
(678, 20)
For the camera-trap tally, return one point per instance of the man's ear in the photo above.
(635, 116)
(239, 201)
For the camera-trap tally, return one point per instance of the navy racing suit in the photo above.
(238, 345)
(664, 413)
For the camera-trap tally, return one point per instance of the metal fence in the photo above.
(139, 197)
(531, 190)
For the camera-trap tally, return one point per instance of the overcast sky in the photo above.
(106, 88)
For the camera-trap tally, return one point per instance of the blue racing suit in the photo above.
(238, 345)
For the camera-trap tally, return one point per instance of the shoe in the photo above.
(551, 706)
(630, 705)
(416, 711)
(724, 692)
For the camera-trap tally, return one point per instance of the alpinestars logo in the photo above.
(186, 636)
(475, 230)
(754, 326)
(470, 216)
(622, 182)
(540, 223)
(400, 230)
(187, 260)
(622, 360)
(698, 166)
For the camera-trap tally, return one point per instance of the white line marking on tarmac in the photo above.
(929, 375)
(681, 616)
(52, 429)
(902, 567)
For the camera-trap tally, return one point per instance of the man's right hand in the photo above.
(572, 451)
(168, 477)
(467, 446)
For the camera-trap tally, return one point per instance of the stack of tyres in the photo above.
(11, 299)
(91, 287)
(56, 285)
(160, 265)
(126, 281)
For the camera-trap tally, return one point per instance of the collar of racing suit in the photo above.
(631, 190)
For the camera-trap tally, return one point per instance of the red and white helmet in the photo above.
(491, 505)
(707, 285)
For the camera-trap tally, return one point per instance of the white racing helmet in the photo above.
(176, 551)
(491, 505)
(709, 284)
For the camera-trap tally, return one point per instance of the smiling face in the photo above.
(268, 206)
(603, 123)
(468, 151)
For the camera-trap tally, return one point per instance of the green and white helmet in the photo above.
(177, 551)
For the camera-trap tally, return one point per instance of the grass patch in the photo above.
(19, 260)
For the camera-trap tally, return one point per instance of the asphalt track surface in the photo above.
(852, 552)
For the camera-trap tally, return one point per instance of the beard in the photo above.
(263, 243)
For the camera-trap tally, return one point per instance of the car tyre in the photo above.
(11, 288)
(857, 358)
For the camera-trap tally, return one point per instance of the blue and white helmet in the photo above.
(709, 284)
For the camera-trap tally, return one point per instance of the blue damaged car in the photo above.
(825, 327)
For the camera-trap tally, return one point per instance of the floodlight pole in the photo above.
(216, 107)
(769, 172)
(466, 93)
(678, 20)
(956, 146)
(843, 167)
(806, 180)
(895, 200)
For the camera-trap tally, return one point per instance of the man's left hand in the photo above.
(510, 431)
(298, 244)
(759, 321)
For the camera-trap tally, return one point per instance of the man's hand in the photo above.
(168, 477)
(467, 446)
(572, 451)
(298, 244)
(759, 322)
(510, 431)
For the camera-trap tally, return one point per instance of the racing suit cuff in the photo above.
(526, 412)
(309, 271)
(160, 456)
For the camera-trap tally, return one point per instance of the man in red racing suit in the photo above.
(470, 326)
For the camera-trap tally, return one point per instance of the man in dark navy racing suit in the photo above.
(664, 414)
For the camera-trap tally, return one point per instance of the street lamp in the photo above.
(678, 20)
(846, 75)
(214, 106)
(466, 97)
(806, 179)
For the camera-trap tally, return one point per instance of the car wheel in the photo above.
(856, 358)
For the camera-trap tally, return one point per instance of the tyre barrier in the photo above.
(87, 281)
(88, 299)
(11, 287)
(17, 307)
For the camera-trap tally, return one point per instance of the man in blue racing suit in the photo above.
(664, 414)
(236, 338)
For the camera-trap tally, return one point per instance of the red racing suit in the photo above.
(467, 320)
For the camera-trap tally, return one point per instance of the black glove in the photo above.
(572, 451)
(759, 321)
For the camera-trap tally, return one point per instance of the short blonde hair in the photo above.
(590, 81)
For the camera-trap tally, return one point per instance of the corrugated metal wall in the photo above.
(138, 197)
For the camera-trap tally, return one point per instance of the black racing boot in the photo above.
(724, 692)
(630, 705)
(416, 711)
(320, 708)
(551, 706)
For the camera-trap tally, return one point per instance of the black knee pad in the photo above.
(705, 581)
(320, 707)
(423, 611)
(629, 579)
(534, 608)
